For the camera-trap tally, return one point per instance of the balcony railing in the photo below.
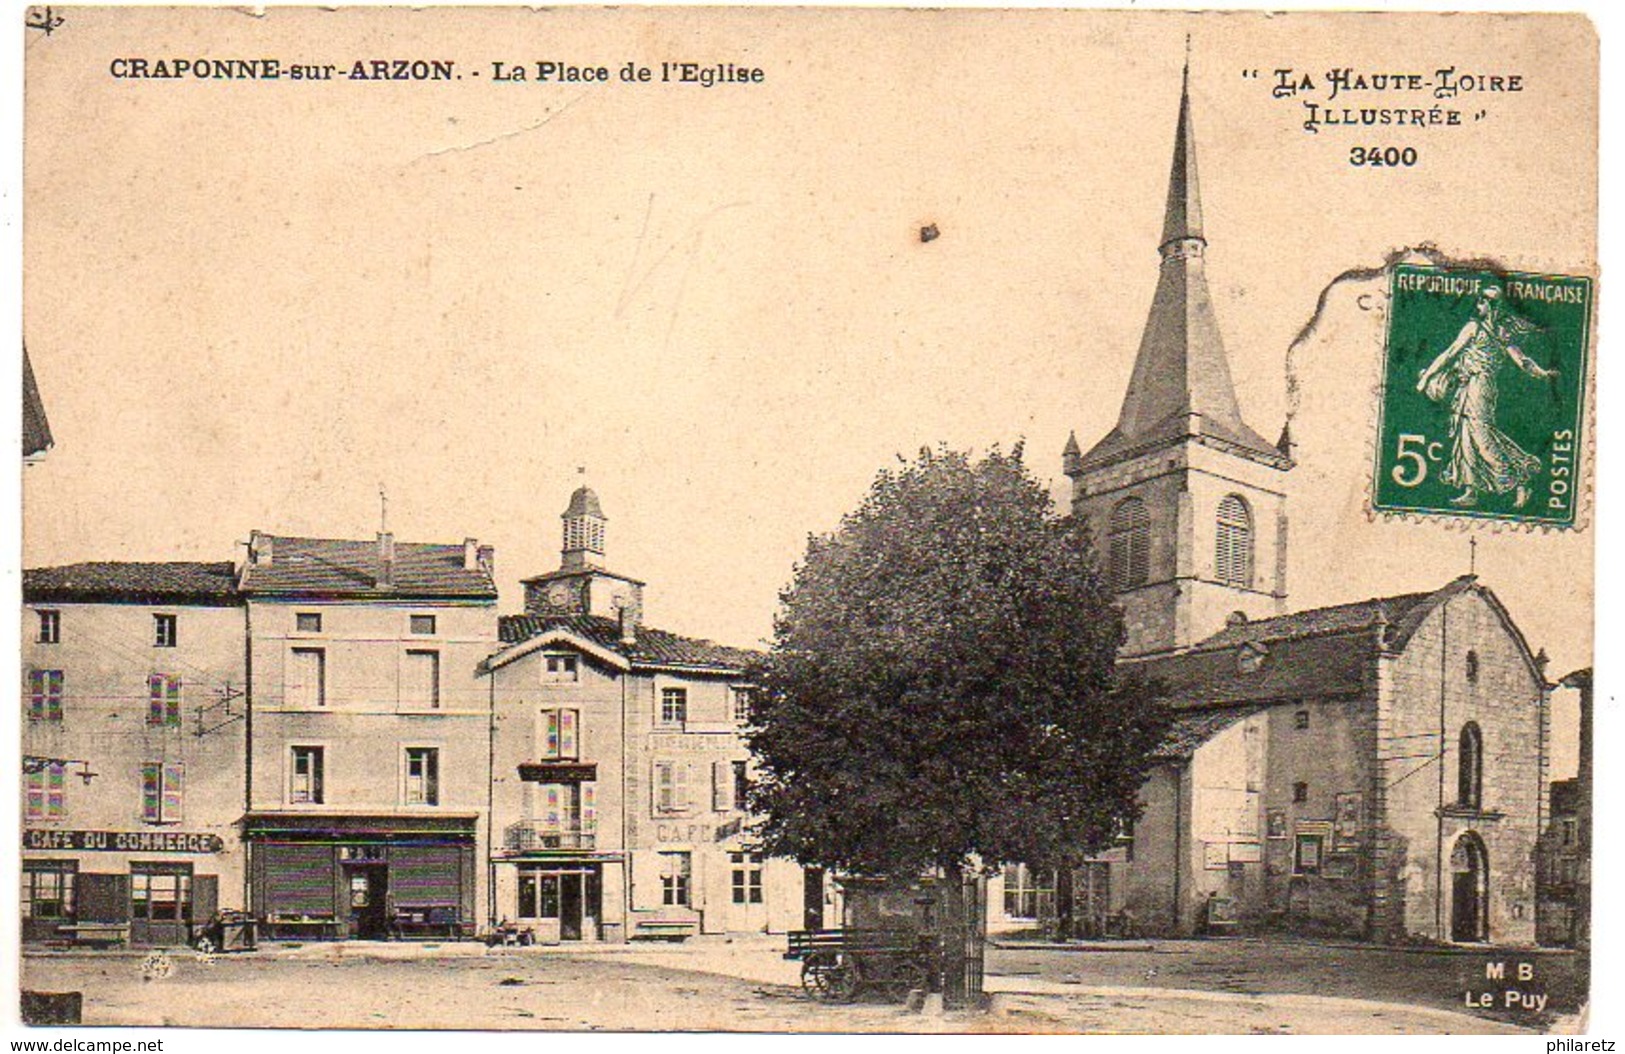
(528, 835)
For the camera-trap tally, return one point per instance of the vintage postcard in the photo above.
(807, 520)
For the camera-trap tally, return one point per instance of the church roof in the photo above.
(1322, 652)
(1189, 730)
(1181, 385)
(584, 502)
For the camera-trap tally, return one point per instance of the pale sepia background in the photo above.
(250, 304)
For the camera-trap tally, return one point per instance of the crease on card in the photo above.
(501, 137)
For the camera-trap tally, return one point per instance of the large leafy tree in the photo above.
(942, 690)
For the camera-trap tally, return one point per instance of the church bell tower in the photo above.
(1186, 503)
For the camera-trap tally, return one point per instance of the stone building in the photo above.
(618, 765)
(1374, 769)
(133, 746)
(368, 773)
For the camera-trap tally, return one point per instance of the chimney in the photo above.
(629, 625)
(386, 560)
(486, 558)
(471, 554)
(259, 548)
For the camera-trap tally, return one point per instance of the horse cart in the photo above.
(839, 965)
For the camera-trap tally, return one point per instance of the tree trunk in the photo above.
(964, 936)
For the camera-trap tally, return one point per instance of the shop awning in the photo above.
(300, 826)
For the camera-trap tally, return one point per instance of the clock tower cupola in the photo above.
(583, 584)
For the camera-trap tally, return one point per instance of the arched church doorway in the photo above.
(1470, 890)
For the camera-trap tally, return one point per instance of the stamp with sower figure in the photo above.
(1483, 395)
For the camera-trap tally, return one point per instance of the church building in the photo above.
(1376, 769)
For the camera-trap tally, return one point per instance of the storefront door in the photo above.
(560, 904)
(161, 904)
(368, 885)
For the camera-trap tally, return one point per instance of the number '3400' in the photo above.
(1411, 457)
(1382, 156)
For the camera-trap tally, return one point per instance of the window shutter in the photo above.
(1233, 558)
(151, 791)
(589, 808)
(722, 780)
(568, 719)
(550, 807)
(679, 771)
(1129, 547)
(155, 700)
(174, 774)
(550, 733)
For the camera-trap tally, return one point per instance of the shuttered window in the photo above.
(1129, 544)
(558, 734)
(671, 787)
(46, 793)
(162, 791)
(1233, 558)
(163, 701)
(427, 876)
(298, 879)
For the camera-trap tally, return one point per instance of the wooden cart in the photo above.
(838, 965)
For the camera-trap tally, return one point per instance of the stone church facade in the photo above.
(1375, 769)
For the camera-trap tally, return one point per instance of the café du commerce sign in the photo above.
(124, 841)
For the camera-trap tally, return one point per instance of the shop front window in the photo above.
(160, 895)
(48, 889)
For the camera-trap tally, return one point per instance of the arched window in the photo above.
(1233, 558)
(1470, 768)
(1129, 549)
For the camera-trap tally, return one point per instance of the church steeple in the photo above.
(1183, 219)
(1186, 502)
(1181, 384)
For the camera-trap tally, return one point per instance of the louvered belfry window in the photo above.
(1129, 538)
(1234, 556)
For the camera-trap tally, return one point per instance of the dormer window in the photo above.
(1250, 657)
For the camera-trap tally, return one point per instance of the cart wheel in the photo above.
(902, 977)
(205, 945)
(826, 978)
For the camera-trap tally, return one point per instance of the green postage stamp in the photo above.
(1483, 395)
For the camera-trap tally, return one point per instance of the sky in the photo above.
(254, 305)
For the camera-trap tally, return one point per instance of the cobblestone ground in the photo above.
(724, 987)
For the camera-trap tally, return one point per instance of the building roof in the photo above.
(584, 502)
(1297, 668)
(652, 647)
(1181, 386)
(1338, 618)
(1321, 652)
(36, 428)
(118, 582)
(343, 568)
(1192, 728)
